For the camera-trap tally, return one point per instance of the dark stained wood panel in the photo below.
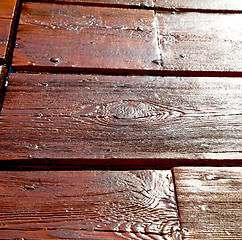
(120, 117)
(3, 74)
(200, 41)
(7, 8)
(210, 202)
(222, 5)
(56, 35)
(88, 205)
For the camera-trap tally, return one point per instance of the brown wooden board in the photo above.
(200, 41)
(88, 205)
(117, 3)
(222, 5)
(3, 74)
(210, 202)
(197, 5)
(55, 35)
(49, 116)
(7, 8)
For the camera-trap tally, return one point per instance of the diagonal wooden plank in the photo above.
(200, 42)
(210, 202)
(50, 116)
(88, 205)
(55, 35)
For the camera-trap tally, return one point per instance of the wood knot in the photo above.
(124, 111)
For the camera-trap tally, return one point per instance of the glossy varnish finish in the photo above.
(200, 41)
(209, 201)
(221, 5)
(195, 5)
(123, 3)
(56, 35)
(7, 8)
(112, 117)
(88, 205)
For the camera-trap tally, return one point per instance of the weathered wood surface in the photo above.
(88, 205)
(121, 117)
(198, 5)
(221, 5)
(58, 35)
(7, 8)
(210, 202)
(124, 3)
(200, 41)
(76, 37)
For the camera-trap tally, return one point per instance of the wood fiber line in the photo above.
(200, 41)
(70, 36)
(88, 205)
(48, 116)
(210, 202)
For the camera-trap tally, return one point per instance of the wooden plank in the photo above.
(219, 5)
(200, 42)
(197, 5)
(7, 9)
(55, 35)
(88, 205)
(117, 3)
(50, 116)
(3, 75)
(210, 202)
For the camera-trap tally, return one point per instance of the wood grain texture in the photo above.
(127, 3)
(120, 117)
(7, 8)
(58, 35)
(200, 41)
(221, 5)
(210, 202)
(197, 5)
(88, 205)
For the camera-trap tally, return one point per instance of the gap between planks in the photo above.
(120, 72)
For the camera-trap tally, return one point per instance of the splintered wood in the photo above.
(209, 201)
(88, 205)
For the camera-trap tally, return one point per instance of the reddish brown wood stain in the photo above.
(89, 205)
(78, 36)
(67, 121)
(6, 15)
(127, 3)
(109, 117)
